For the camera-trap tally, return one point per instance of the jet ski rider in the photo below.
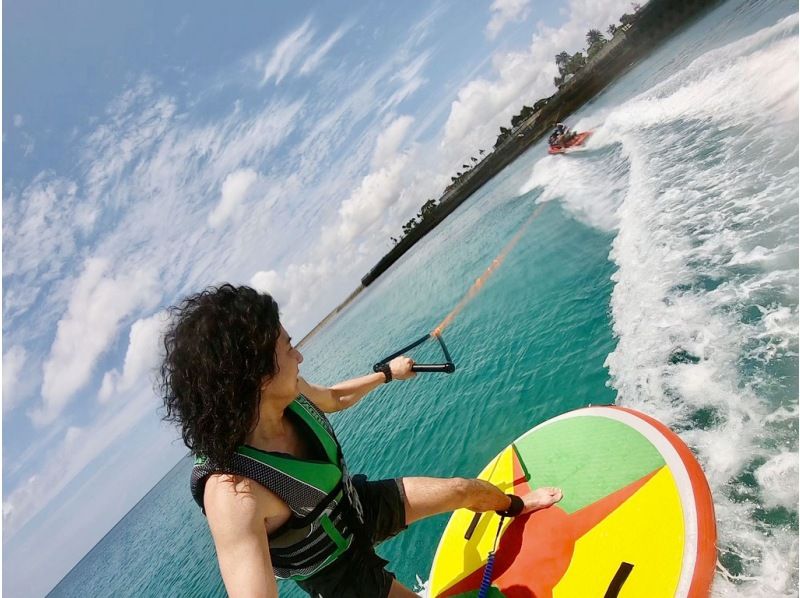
(561, 135)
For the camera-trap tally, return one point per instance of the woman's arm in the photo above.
(348, 393)
(235, 511)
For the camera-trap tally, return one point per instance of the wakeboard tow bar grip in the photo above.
(448, 367)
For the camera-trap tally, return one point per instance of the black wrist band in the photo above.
(387, 371)
(514, 509)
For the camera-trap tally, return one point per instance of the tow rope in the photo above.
(481, 280)
(449, 367)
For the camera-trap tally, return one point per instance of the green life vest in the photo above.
(325, 507)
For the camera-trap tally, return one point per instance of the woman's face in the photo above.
(287, 360)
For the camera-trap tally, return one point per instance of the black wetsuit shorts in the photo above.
(360, 573)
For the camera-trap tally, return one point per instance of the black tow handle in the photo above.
(448, 367)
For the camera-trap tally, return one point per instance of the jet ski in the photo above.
(575, 142)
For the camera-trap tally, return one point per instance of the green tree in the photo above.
(540, 104)
(612, 30)
(562, 60)
(427, 210)
(594, 36)
(523, 115)
(409, 226)
(595, 41)
(576, 63)
(504, 134)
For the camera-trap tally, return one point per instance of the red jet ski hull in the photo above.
(576, 141)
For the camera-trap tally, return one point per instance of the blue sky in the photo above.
(152, 149)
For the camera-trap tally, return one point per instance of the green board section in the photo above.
(588, 457)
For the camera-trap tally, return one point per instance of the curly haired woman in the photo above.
(269, 472)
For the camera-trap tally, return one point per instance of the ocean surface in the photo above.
(660, 272)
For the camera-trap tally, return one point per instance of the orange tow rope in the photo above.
(481, 280)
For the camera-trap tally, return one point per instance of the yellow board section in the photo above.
(457, 557)
(645, 531)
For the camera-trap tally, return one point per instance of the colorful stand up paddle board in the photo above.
(636, 519)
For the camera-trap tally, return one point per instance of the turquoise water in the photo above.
(660, 273)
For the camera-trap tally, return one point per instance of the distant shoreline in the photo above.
(331, 315)
(655, 22)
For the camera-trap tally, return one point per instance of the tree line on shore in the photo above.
(568, 65)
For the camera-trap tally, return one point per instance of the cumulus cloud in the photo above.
(355, 229)
(141, 358)
(368, 202)
(379, 188)
(270, 282)
(234, 190)
(108, 386)
(18, 120)
(504, 12)
(13, 361)
(96, 308)
(287, 52)
(389, 140)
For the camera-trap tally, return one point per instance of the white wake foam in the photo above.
(705, 300)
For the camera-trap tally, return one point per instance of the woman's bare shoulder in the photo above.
(228, 495)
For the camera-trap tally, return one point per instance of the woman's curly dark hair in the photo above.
(220, 346)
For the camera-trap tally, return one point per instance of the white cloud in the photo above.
(18, 120)
(369, 201)
(139, 121)
(144, 350)
(504, 12)
(108, 386)
(287, 52)
(389, 140)
(96, 308)
(346, 245)
(315, 59)
(234, 190)
(410, 80)
(270, 282)
(13, 361)
(141, 358)
(39, 232)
